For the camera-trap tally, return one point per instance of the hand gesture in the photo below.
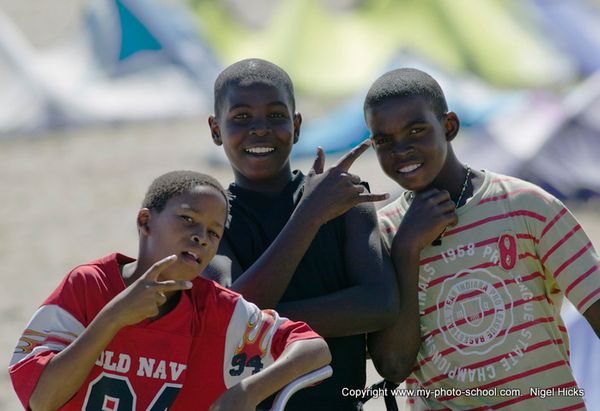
(330, 193)
(430, 214)
(143, 298)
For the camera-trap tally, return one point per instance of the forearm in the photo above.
(278, 263)
(66, 372)
(394, 349)
(299, 358)
(351, 311)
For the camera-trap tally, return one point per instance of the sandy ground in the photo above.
(73, 196)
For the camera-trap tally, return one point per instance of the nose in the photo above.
(200, 238)
(260, 128)
(402, 150)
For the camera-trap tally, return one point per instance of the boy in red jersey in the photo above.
(117, 333)
(486, 258)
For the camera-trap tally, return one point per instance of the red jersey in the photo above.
(184, 360)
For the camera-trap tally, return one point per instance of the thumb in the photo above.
(158, 267)
(319, 163)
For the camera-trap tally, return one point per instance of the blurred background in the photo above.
(99, 97)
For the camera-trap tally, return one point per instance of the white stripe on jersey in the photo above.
(50, 329)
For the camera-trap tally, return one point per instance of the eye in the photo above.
(214, 234)
(187, 218)
(241, 116)
(415, 130)
(381, 140)
(277, 115)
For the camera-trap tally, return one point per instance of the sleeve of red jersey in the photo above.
(568, 256)
(256, 338)
(52, 328)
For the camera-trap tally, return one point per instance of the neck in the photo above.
(451, 178)
(130, 272)
(270, 185)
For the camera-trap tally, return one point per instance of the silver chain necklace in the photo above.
(464, 187)
(438, 241)
(411, 194)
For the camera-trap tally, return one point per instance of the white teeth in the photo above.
(192, 254)
(408, 169)
(259, 150)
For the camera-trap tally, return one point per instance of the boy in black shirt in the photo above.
(325, 265)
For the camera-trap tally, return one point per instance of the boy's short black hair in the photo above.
(248, 71)
(407, 82)
(175, 183)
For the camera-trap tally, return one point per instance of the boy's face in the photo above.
(190, 226)
(257, 128)
(410, 140)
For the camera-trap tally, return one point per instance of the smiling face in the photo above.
(412, 142)
(257, 127)
(190, 226)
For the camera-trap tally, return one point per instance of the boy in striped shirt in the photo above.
(484, 258)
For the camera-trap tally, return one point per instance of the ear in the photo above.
(215, 130)
(297, 124)
(451, 125)
(143, 221)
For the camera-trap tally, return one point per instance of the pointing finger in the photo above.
(319, 163)
(369, 198)
(158, 267)
(172, 285)
(345, 162)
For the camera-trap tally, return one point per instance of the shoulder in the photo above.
(107, 265)
(96, 276)
(224, 312)
(364, 212)
(518, 188)
(88, 287)
(521, 193)
(359, 229)
(212, 297)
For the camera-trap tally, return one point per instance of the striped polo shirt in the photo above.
(490, 297)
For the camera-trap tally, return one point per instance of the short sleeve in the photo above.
(50, 330)
(256, 338)
(570, 262)
(55, 325)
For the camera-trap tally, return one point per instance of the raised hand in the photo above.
(330, 193)
(143, 298)
(429, 215)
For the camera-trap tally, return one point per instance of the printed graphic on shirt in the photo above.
(248, 343)
(475, 308)
(507, 247)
